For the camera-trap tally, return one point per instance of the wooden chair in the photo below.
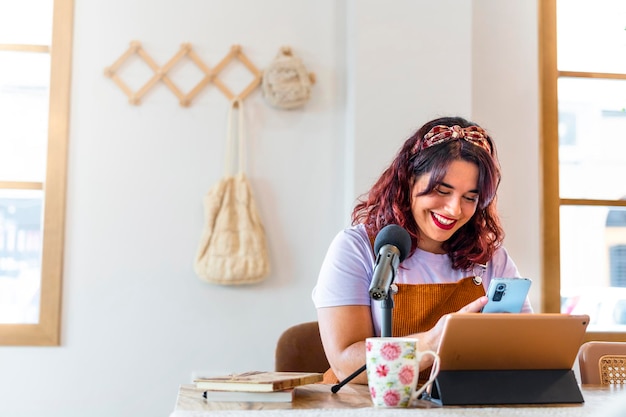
(602, 363)
(299, 349)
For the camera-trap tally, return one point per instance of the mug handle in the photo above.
(433, 373)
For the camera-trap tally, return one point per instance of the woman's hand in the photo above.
(430, 340)
(475, 306)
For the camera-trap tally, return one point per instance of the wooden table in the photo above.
(353, 401)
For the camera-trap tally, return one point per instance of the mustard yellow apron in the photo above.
(418, 307)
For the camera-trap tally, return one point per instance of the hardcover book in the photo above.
(258, 381)
(246, 396)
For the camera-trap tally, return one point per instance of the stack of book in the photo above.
(255, 386)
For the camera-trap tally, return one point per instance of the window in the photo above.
(35, 56)
(583, 133)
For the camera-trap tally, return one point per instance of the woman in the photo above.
(441, 187)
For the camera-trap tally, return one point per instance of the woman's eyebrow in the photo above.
(474, 191)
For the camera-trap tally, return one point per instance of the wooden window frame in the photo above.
(47, 331)
(549, 148)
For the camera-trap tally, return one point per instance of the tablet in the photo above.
(503, 341)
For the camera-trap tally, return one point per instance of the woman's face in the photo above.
(448, 207)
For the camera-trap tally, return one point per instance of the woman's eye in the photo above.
(472, 199)
(442, 192)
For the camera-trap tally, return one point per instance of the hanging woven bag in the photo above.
(233, 246)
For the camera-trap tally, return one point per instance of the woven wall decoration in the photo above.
(286, 82)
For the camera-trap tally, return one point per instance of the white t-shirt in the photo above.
(347, 271)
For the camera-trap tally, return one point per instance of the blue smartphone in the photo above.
(507, 295)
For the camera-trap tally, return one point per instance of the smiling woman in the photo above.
(441, 187)
(35, 50)
(439, 213)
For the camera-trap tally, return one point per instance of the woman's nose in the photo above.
(453, 206)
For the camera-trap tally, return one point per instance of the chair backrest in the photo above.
(299, 349)
(602, 363)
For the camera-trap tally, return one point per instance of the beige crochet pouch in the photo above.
(233, 246)
(286, 83)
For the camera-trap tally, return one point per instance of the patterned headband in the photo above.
(441, 134)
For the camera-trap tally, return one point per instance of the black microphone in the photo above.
(392, 245)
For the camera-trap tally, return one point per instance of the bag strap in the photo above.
(230, 145)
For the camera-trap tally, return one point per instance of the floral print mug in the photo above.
(392, 365)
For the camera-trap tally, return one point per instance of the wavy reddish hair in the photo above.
(389, 199)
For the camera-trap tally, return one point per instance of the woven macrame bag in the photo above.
(233, 245)
(286, 83)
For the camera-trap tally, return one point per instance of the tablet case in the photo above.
(490, 359)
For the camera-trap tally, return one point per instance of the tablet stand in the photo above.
(385, 331)
(490, 387)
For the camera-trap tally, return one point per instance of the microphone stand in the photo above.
(385, 331)
(387, 309)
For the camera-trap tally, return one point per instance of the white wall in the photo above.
(505, 99)
(137, 322)
(405, 69)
